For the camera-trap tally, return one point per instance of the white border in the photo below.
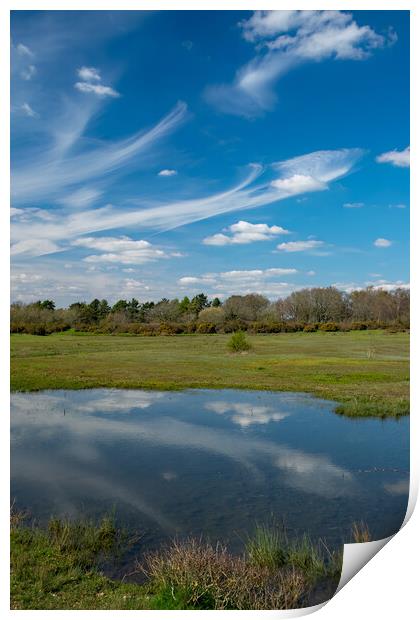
(387, 586)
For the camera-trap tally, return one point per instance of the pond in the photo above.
(208, 462)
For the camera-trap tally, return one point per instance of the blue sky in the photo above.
(172, 152)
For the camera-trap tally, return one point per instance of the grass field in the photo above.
(366, 372)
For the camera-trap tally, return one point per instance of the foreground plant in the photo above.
(271, 548)
(200, 576)
(360, 532)
(59, 568)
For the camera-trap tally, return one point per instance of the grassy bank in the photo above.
(58, 568)
(366, 372)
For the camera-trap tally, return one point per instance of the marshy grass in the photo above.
(368, 406)
(360, 532)
(270, 547)
(86, 541)
(266, 547)
(198, 575)
(58, 567)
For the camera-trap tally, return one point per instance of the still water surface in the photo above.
(208, 462)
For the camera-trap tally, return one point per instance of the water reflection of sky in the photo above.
(171, 456)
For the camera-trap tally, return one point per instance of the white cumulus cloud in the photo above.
(245, 232)
(284, 40)
(97, 89)
(92, 83)
(242, 282)
(167, 172)
(123, 250)
(89, 74)
(382, 243)
(401, 159)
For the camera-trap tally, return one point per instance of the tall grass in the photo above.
(266, 547)
(360, 532)
(270, 547)
(85, 540)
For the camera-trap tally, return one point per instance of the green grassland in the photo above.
(366, 372)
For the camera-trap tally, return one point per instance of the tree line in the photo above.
(310, 309)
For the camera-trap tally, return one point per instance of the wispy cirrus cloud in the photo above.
(28, 72)
(22, 62)
(322, 167)
(52, 172)
(244, 232)
(353, 205)
(401, 159)
(34, 247)
(285, 40)
(24, 50)
(301, 246)
(83, 197)
(27, 110)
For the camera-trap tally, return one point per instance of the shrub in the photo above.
(329, 327)
(202, 576)
(170, 329)
(359, 325)
(234, 325)
(274, 327)
(292, 327)
(310, 327)
(258, 327)
(206, 328)
(238, 342)
(16, 328)
(395, 329)
(36, 330)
